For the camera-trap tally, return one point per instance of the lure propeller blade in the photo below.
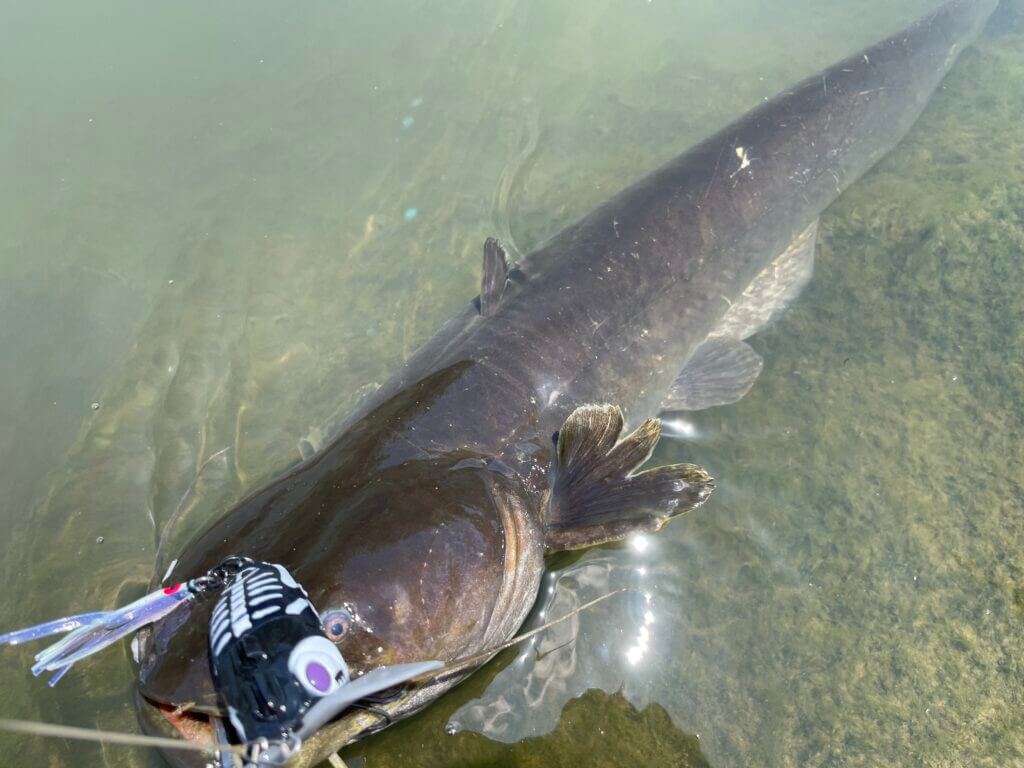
(374, 681)
(330, 706)
(92, 632)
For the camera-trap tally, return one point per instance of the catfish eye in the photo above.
(336, 624)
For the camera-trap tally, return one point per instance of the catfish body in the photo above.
(613, 307)
(428, 518)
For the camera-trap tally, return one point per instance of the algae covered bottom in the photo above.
(851, 595)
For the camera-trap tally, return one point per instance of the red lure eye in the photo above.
(172, 590)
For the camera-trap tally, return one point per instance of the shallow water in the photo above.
(224, 225)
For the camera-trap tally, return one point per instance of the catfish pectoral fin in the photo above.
(596, 495)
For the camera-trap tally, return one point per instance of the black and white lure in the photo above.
(280, 678)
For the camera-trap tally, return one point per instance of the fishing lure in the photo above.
(92, 632)
(281, 679)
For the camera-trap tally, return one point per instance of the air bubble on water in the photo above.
(99, 539)
(451, 729)
(95, 406)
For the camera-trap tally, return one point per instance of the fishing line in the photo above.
(114, 737)
(484, 655)
(164, 533)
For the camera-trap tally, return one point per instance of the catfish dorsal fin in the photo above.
(495, 276)
(596, 493)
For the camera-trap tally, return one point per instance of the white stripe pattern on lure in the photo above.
(264, 598)
(258, 592)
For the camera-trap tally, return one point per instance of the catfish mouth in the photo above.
(200, 726)
(192, 725)
(179, 722)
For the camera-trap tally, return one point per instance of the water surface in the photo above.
(223, 225)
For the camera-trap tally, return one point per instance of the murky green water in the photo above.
(224, 224)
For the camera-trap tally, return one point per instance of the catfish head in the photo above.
(390, 587)
(405, 556)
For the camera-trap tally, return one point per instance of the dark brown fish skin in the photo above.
(442, 475)
(433, 552)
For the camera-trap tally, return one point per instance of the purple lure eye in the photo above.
(317, 665)
(318, 676)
